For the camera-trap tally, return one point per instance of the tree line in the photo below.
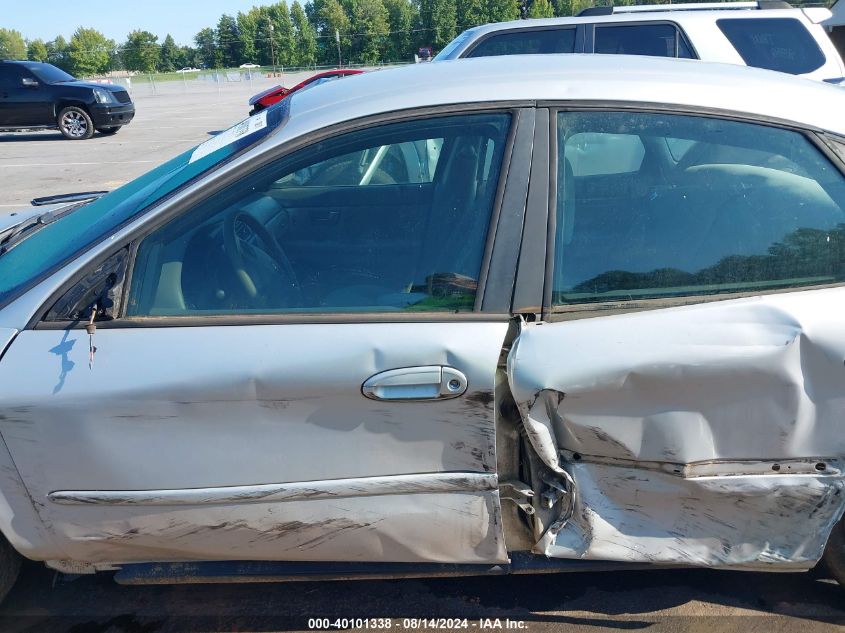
(295, 35)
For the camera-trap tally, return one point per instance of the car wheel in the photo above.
(10, 565)
(834, 553)
(108, 130)
(75, 124)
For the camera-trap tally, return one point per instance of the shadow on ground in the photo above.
(622, 601)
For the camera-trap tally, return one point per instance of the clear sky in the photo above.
(46, 19)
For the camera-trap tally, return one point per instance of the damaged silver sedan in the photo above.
(556, 314)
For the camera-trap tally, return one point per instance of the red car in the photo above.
(274, 95)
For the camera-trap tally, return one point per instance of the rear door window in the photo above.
(781, 44)
(526, 43)
(656, 40)
(737, 208)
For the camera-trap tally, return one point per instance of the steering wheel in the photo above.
(263, 272)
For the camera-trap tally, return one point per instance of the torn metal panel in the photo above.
(627, 514)
(297, 491)
(711, 434)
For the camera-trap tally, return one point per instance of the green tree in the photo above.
(37, 51)
(503, 10)
(283, 35)
(88, 52)
(12, 45)
(169, 55)
(229, 41)
(187, 56)
(574, 7)
(439, 19)
(333, 18)
(248, 28)
(401, 16)
(207, 50)
(471, 13)
(541, 9)
(57, 53)
(306, 36)
(141, 51)
(371, 28)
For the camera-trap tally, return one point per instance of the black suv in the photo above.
(35, 95)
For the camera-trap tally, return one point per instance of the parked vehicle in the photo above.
(250, 66)
(536, 314)
(766, 34)
(277, 93)
(40, 96)
(188, 69)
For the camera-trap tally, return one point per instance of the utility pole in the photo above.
(337, 39)
(272, 46)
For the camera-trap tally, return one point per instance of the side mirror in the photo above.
(29, 82)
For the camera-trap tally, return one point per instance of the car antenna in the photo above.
(91, 328)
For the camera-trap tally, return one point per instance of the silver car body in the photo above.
(708, 434)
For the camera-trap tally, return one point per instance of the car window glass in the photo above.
(657, 40)
(526, 43)
(591, 154)
(391, 164)
(50, 74)
(454, 44)
(781, 44)
(10, 77)
(391, 218)
(734, 207)
(684, 51)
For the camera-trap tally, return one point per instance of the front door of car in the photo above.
(300, 371)
(23, 100)
(687, 385)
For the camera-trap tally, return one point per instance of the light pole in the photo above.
(337, 39)
(272, 46)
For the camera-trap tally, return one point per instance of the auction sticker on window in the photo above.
(235, 133)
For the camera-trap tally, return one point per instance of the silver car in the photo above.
(497, 315)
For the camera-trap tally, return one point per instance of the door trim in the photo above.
(296, 491)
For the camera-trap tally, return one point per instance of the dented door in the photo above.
(704, 434)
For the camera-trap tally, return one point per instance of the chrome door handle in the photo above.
(430, 382)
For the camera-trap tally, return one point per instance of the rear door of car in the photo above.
(346, 416)
(683, 384)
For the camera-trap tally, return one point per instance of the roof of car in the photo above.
(573, 77)
(639, 16)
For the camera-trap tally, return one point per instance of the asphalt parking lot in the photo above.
(174, 119)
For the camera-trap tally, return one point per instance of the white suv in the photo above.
(767, 34)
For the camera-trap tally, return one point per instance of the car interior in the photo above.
(388, 218)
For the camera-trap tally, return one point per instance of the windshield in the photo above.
(49, 74)
(56, 243)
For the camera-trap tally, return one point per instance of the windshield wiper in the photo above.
(16, 233)
(67, 197)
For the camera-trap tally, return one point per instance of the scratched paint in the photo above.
(298, 491)
(251, 428)
(394, 528)
(673, 424)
